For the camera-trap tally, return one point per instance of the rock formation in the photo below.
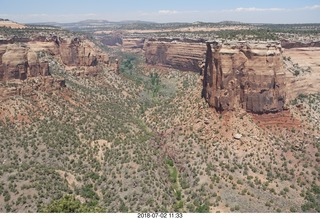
(296, 44)
(185, 55)
(130, 43)
(76, 52)
(236, 75)
(112, 40)
(248, 76)
(20, 61)
(307, 62)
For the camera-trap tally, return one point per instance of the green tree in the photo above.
(69, 204)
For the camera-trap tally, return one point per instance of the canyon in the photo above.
(236, 74)
(158, 122)
(240, 74)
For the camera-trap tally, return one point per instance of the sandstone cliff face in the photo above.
(306, 82)
(184, 55)
(132, 43)
(46, 84)
(76, 52)
(21, 60)
(294, 44)
(113, 40)
(236, 75)
(249, 76)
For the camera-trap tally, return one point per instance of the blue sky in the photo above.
(253, 11)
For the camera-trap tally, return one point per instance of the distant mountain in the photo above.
(45, 24)
(230, 22)
(90, 25)
(93, 22)
(135, 22)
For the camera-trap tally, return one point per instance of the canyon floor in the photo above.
(143, 140)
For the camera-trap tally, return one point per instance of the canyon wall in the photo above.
(19, 62)
(308, 63)
(235, 75)
(296, 44)
(27, 60)
(133, 43)
(242, 75)
(22, 60)
(185, 54)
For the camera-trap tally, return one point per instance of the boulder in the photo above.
(237, 136)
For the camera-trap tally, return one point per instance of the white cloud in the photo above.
(253, 9)
(314, 7)
(167, 12)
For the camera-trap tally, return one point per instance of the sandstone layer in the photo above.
(133, 43)
(19, 62)
(296, 44)
(22, 60)
(236, 74)
(306, 82)
(186, 54)
(242, 75)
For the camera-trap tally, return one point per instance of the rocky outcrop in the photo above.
(241, 75)
(296, 44)
(19, 62)
(133, 43)
(236, 74)
(112, 40)
(182, 54)
(76, 52)
(307, 63)
(24, 64)
(46, 84)
(22, 60)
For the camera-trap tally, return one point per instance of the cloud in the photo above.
(253, 9)
(167, 12)
(314, 7)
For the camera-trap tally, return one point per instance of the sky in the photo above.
(250, 11)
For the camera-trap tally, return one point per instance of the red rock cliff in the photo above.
(185, 55)
(21, 60)
(249, 76)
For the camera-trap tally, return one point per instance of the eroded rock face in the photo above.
(21, 60)
(185, 55)
(76, 52)
(296, 44)
(24, 66)
(241, 75)
(236, 75)
(45, 84)
(113, 40)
